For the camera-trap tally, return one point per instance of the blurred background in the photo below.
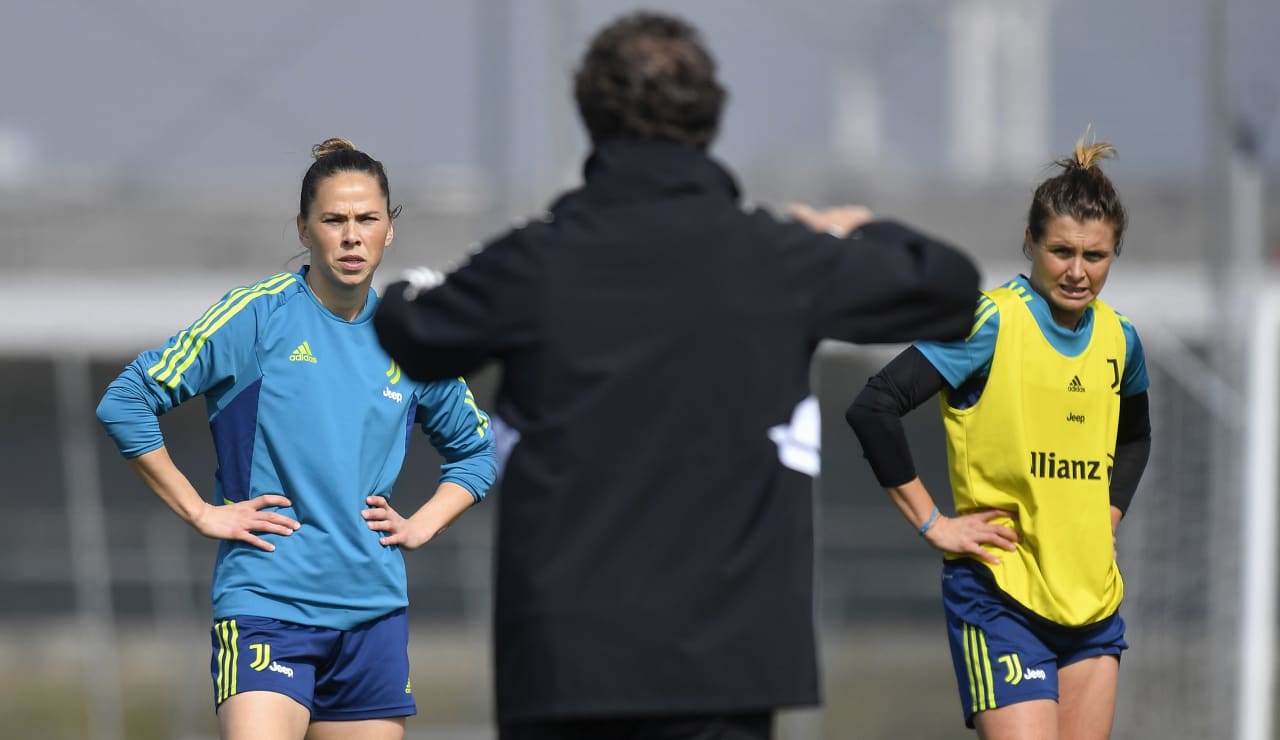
(150, 157)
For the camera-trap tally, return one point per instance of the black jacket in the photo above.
(654, 556)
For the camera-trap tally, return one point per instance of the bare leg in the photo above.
(262, 715)
(1087, 695)
(1028, 720)
(387, 728)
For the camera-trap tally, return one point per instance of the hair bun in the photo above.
(329, 146)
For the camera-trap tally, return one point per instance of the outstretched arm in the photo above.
(479, 312)
(888, 282)
(835, 220)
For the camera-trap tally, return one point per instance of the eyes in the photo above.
(364, 218)
(1089, 255)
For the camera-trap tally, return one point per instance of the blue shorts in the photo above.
(362, 673)
(1001, 654)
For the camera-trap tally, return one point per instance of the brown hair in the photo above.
(648, 76)
(340, 155)
(1080, 191)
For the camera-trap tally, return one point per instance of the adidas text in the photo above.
(303, 354)
(1075, 386)
(276, 667)
(393, 395)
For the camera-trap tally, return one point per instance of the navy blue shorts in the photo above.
(1003, 656)
(361, 673)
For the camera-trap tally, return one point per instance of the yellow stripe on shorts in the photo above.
(228, 654)
(978, 661)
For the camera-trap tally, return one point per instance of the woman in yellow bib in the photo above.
(1048, 432)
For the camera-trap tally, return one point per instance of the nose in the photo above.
(1075, 268)
(350, 233)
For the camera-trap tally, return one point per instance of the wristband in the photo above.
(928, 522)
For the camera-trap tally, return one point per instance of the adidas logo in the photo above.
(303, 354)
(1075, 386)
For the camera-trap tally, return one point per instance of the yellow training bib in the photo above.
(1040, 442)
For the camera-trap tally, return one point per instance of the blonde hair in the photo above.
(1087, 155)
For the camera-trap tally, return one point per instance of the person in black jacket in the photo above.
(655, 530)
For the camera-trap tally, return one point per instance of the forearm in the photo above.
(428, 340)
(883, 438)
(162, 476)
(896, 284)
(447, 504)
(1133, 449)
(914, 501)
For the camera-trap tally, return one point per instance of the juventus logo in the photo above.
(1014, 664)
(261, 655)
(1016, 672)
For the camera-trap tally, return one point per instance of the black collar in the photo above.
(624, 170)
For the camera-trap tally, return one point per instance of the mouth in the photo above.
(1073, 293)
(352, 264)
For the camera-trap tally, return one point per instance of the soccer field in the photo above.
(883, 682)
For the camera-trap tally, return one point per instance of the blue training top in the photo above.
(308, 405)
(964, 361)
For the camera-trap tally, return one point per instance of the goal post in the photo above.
(1256, 654)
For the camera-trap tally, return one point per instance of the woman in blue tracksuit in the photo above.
(310, 421)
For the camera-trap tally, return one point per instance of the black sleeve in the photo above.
(890, 283)
(876, 414)
(481, 311)
(1133, 447)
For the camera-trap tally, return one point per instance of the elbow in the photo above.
(103, 412)
(481, 473)
(859, 415)
(872, 407)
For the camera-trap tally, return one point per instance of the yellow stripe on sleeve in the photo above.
(184, 337)
(482, 419)
(189, 346)
(982, 319)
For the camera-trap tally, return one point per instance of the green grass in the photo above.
(881, 682)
